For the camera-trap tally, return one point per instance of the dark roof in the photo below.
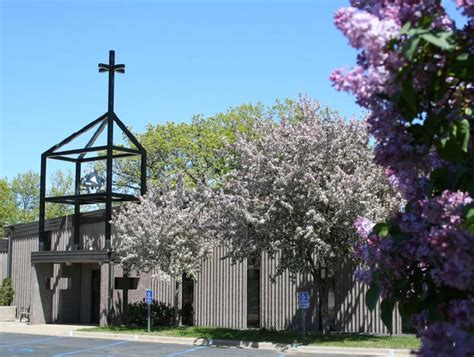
(57, 223)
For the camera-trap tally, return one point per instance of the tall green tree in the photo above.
(199, 148)
(61, 184)
(25, 187)
(19, 199)
(8, 208)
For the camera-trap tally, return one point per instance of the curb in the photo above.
(281, 347)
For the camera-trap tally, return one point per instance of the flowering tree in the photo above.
(297, 188)
(161, 232)
(169, 232)
(415, 74)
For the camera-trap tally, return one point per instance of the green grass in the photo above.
(339, 340)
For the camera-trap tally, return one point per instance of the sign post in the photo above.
(149, 301)
(303, 304)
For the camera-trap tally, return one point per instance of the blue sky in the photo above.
(182, 58)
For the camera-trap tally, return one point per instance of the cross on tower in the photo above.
(111, 68)
(92, 152)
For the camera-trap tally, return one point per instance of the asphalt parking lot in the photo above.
(13, 344)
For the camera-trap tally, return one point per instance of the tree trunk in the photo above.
(322, 287)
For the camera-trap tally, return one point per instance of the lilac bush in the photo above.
(415, 72)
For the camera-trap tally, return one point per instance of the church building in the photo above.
(64, 269)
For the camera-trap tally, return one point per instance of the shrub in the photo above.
(161, 314)
(6, 292)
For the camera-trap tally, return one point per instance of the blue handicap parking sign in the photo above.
(303, 300)
(149, 296)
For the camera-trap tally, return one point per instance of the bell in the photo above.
(92, 182)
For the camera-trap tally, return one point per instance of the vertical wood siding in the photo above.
(3, 265)
(93, 236)
(220, 290)
(62, 239)
(352, 315)
(220, 293)
(278, 298)
(164, 291)
(279, 302)
(21, 269)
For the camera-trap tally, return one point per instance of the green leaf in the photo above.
(470, 213)
(442, 179)
(469, 220)
(448, 150)
(417, 31)
(381, 229)
(425, 22)
(409, 308)
(454, 147)
(440, 39)
(410, 47)
(463, 67)
(386, 308)
(405, 28)
(372, 296)
(463, 134)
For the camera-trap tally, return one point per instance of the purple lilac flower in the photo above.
(467, 6)
(442, 339)
(435, 243)
(363, 226)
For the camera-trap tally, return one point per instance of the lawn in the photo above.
(340, 340)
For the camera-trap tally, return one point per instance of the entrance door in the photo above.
(187, 313)
(253, 297)
(95, 296)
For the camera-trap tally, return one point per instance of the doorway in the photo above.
(187, 312)
(253, 298)
(95, 296)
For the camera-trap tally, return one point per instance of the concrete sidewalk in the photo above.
(47, 329)
(72, 330)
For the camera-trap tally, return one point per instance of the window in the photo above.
(253, 292)
(187, 313)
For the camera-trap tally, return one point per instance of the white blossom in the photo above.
(169, 232)
(298, 187)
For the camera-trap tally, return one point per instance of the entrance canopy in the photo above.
(71, 256)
